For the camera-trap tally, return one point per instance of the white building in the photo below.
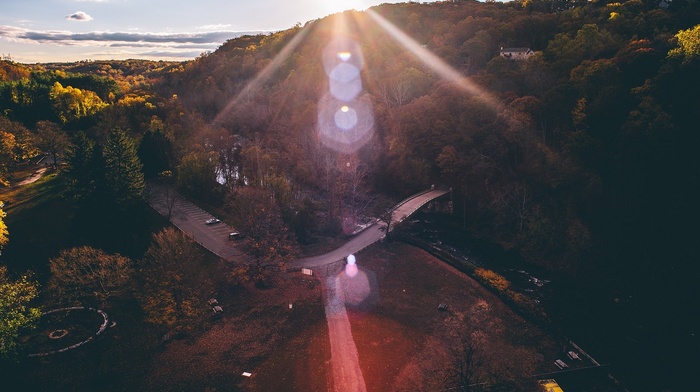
(516, 53)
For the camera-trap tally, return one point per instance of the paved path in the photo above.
(190, 219)
(370, 235)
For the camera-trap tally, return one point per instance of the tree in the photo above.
(165, 183)
(71, 103)
(477, 51)
(16, 314)
(383, 209)
(688, 44)
(17, 144)
(174, 287)
(51, 139)
(197, 175)
(467, 362)
(267, 239)
(84, 273)
(155, 152)
(85, 169)
(7, 157)
(25, 144)
(482, 363)
(124, 180)
(357, 195)
(4, 234)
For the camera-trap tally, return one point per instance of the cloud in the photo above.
(126, 44)
(173, 55)
(214, 27)
(79, 16)
(149, 45)
(70, 38)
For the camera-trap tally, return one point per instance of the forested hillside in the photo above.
(585, 159)
(584, 165)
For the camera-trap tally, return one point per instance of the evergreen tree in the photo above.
(124, 180)
(155, 152)
(84, 171)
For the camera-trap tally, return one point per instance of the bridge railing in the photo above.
(406, 200)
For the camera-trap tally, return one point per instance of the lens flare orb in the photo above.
(351, 267)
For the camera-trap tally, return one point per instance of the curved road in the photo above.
(370, 235)
(190, 219)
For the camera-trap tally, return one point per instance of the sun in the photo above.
(333, 6)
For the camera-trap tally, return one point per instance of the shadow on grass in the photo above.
(42, 222)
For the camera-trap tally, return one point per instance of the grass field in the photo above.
(404, 342)
(42, 221)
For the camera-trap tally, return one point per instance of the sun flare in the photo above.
(333, 6)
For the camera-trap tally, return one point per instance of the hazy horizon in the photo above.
(47, 31)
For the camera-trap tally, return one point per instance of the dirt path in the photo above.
(33, 178)
(347, 375)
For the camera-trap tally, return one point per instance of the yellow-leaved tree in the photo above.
(173, 286)
(688, 44)
(72, 103)
(16, 314)
(3, 229)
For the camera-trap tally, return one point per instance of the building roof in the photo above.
(514, 50)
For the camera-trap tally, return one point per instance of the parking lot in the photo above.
(197, 223)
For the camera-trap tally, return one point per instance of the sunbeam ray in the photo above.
(265, 74)
(432, 61)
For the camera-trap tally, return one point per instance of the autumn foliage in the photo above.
(89, 275)
(173, 286)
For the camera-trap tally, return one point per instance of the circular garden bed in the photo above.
(64, 329)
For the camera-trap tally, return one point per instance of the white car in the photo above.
(212, 221)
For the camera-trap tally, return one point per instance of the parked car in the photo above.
(234, 235)
(212, 221)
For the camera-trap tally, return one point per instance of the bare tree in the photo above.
(467, 363)
(395, 92)
(383, 210)
(52, 139)
(168, 192)
(357, 193)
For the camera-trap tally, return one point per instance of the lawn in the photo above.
(404, 342)
(42, 221)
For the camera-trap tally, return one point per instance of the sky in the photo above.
(42, 31)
